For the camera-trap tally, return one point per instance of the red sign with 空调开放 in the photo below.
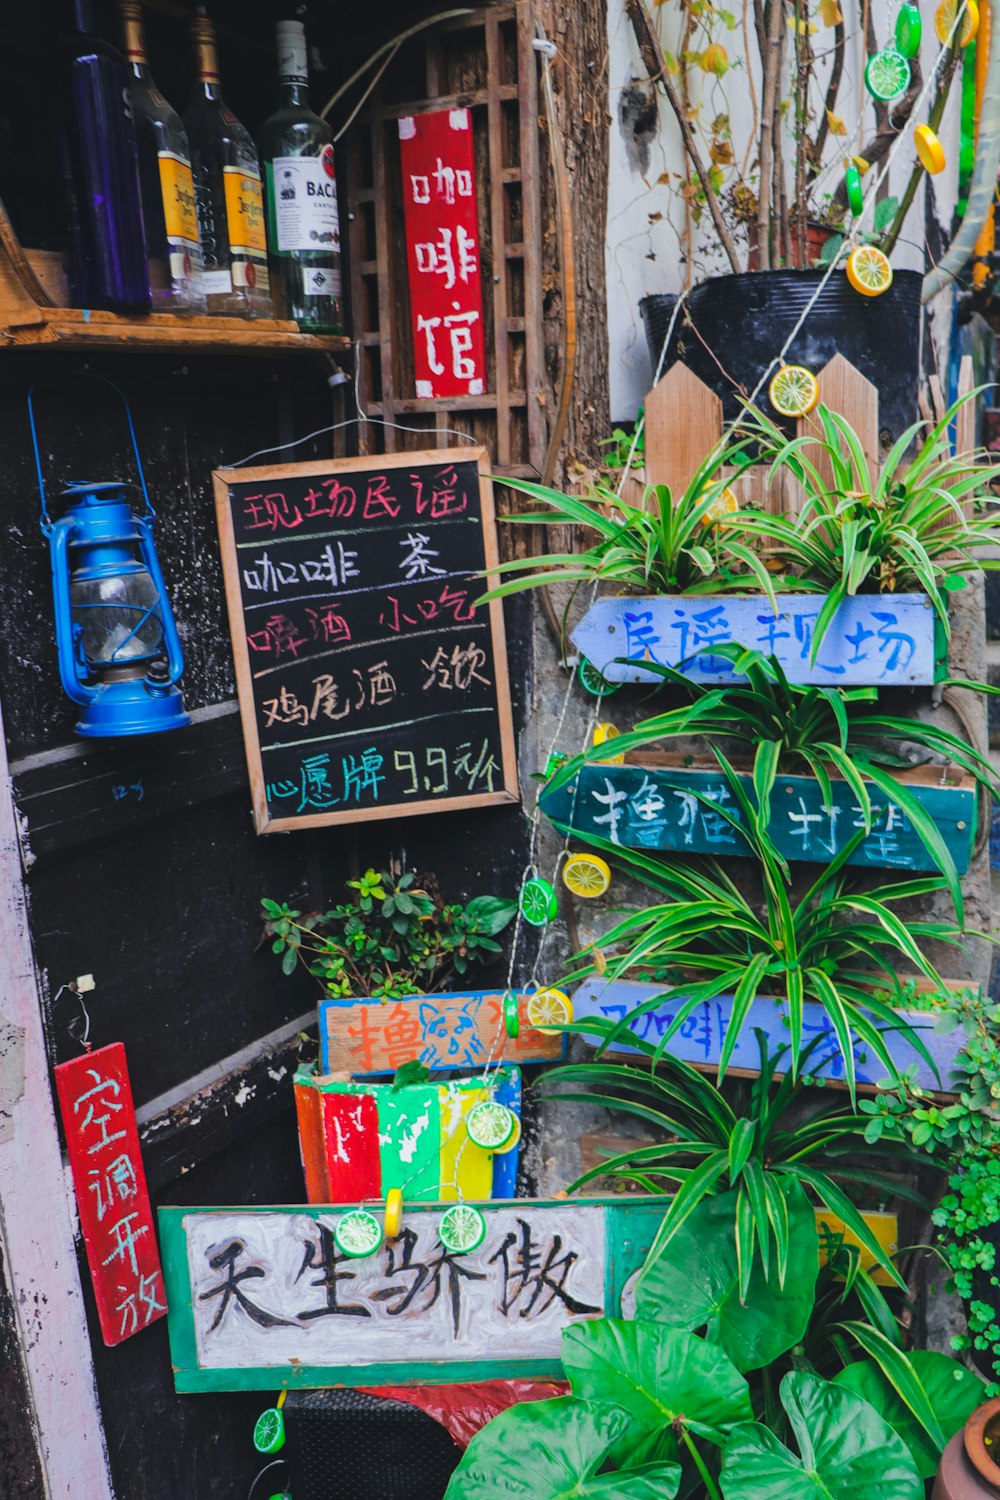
(116, 1220)
(442, 249)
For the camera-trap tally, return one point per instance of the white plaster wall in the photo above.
(645, 215)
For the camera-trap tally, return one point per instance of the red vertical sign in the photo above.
(442, 249)
(95, 1098)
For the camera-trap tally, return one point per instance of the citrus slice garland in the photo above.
(358, 1233)
(547, 1008)
(854, 190)
(909, 30)
(462, 1229)
(556, 762)
(586, 875)
(511, 1014)
(393, 1213)
(929, 149)
(869, 271)
(724, 505)
(538, 902)
(944, 20)
(490, 1125)
(269, 1431)
(887, 74)
(793, 391)
(604, 732)
(514, 1141)
(593, 680)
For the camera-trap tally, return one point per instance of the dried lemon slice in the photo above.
(602, 734)
(547, 1008)
(929, 149)
(869, 271)
(793, 391)
(944, 21)
(586, 875)
(723, 505)
(393, 1213)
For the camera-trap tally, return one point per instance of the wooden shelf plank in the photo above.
(416, 404)
(71, 327)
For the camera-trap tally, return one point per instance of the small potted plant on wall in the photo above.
(766, 192)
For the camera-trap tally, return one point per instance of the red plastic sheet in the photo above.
(464, 1409)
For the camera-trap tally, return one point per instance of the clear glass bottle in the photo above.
(168, 204)
(303, 228)
(228, 192)
(106, 254)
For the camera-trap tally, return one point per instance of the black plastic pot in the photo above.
(731, 327)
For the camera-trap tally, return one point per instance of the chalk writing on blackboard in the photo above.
(371, 685)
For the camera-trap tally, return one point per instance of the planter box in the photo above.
(699, 1041)
(874, 640)
(654, 801)
(358, 1140)
(463, 1029)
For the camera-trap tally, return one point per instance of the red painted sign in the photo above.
(95, 1098)
(442, 235)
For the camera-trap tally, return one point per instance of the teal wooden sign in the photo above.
(650, 806)
(261, 1298)
(880, 640)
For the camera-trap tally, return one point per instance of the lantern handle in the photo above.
(149, 512)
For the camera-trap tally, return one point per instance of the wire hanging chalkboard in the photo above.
(370, 684)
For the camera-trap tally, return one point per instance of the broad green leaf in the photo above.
(953, 1391)
(551, 1450)
(661, 1376)
(490, 914)
(847, 1451)
(694, 1282)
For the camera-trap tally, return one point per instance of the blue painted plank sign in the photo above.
(699, 1041)
(873, 640)
(658, 806)
(261, 1298)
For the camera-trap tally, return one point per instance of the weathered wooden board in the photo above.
(659, 806)
(358, 1140)
(873, 639)
(699, 1041)
(463, 1029)
(261, 1298)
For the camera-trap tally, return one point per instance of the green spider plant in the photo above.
(669, 545)
(832, 945)
(812, 730)
(749, 1144)
(895, 529)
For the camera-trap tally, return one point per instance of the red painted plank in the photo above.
(350, 1136)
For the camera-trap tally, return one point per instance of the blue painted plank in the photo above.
(874, 639)
(699, 1041)
(648, 806)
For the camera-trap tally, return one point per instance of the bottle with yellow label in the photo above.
(228, 192)
(166, 182)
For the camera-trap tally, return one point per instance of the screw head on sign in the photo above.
(538, 902)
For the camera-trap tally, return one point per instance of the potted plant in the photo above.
(766, 197)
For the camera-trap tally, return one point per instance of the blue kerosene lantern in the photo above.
(119, 653)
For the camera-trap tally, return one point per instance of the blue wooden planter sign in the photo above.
(699, 1041)
(261, 1297)
(647, 806)
(882, 640)
(462, 1029)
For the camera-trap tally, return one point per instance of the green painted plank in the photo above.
(658, 807)
(410, 1141)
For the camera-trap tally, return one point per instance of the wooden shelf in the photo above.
(72, 328)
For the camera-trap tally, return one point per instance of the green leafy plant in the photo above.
(816, 731)
(835, 944)
(623, 447)
(682, 1396)
(669, 545)
(390, 939)
(868, 528)
(774, 1129)
(882, 221)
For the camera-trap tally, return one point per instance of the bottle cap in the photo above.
(291, 42)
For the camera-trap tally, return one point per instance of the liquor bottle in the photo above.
(106, 259)
(228, 192)
(300, 184)
(168, 205)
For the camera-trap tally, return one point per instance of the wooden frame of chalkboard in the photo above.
(370, 685)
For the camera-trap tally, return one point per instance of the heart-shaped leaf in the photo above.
(694, 1281)
(661, 1376)
(551, 1450)
(847, 1451)
(953, 1392)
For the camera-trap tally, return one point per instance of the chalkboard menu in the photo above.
(370, 683)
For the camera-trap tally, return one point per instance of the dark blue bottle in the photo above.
(107, 263)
